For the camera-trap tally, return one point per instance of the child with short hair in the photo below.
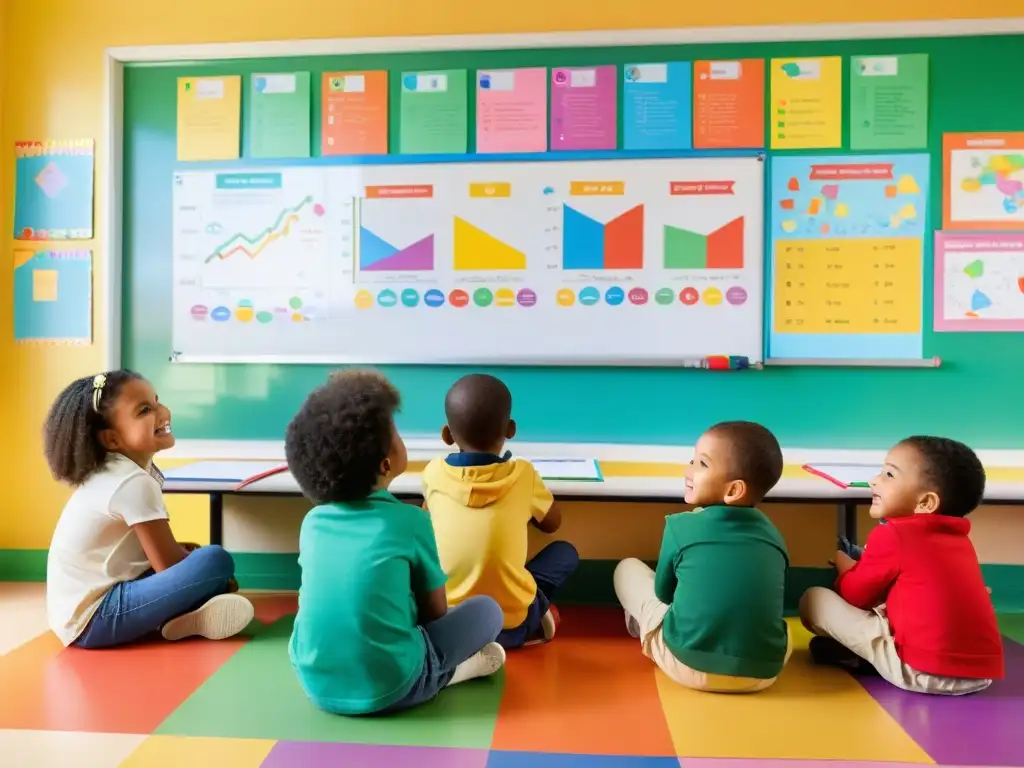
(373, 632)
(914, 608)
(114, 571)
(481, 501)
(711, 616)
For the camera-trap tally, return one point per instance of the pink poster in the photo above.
(979, 282)
(511, 110)
(584, 104)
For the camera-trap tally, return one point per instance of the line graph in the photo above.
(253, 246)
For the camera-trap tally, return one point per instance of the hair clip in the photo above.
(98, 382)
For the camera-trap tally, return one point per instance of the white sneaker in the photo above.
(632, 626)
(483, 663)
(219, 617)
(548, 626)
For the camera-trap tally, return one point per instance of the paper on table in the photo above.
(845, 474)
(219, 471)
(568, 469)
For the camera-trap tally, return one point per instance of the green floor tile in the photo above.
(256, 695)
(1012, 625)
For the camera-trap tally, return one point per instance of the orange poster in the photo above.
(355, 113)
(728, 104)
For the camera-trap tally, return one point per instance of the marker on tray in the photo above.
(727, 362)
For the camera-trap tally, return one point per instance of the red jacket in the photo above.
(924, 568)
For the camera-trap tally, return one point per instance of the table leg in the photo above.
(846, 521)
(216, 518)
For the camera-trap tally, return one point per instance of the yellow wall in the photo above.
(56, 49)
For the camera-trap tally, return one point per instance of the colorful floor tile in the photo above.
(589, 699)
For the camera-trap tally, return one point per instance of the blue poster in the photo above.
(53, 296)
(53, 197)
(847, 239)
(657, 106)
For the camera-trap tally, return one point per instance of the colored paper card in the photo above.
(983, 181)
(512, 110)
(657, 106)
(889, 102)
(728, 104)
(355, 113)
(209, 117)
(53, 296)
(53, 190)
(584, 108)
(434, 113)
(279, 115)
(847, 238)
(979, 281)
(807, 103)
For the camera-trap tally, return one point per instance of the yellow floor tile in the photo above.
(811, 713)
(177, 751)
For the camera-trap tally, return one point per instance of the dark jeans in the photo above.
(451, 640)
(550, 568)
(133, 609)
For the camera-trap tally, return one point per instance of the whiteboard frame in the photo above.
(112, 142)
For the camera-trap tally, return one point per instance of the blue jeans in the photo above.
(133, 609)
(450, 640)
(550, 568)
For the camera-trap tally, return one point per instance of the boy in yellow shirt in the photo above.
(481, 501)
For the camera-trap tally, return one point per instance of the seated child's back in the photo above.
(711, 616)
(481, 502)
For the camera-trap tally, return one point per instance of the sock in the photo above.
(632, 626)
(484, 662)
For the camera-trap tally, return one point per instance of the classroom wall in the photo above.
(56, 48)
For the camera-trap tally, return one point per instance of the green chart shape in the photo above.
(975, 269)
(256, 695)
(685, 249)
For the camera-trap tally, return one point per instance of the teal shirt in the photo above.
(722, 570)
(356, 645)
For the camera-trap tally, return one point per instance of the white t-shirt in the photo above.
(94, 547)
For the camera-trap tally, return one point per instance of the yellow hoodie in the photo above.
(480, 505)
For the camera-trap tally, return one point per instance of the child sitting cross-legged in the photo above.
(481, 502)
(914, 608)
(711, 616)
(373, 632)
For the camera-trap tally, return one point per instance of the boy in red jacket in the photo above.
(914, 606)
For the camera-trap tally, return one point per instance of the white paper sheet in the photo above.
(568, 469)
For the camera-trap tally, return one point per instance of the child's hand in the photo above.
(189, 546)
(844, 562)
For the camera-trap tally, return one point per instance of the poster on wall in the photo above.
(847, 250)
(983, 181)
(979, 281)
(52, 297)
(53, 189)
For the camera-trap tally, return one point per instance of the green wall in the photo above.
(975, 396)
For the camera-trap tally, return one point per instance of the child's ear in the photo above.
(447, 436)
(928, 504)
(511, 431)
(735, 490)
(108, 439)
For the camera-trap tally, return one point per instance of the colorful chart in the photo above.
(979, 282)
(477, 250)
(720, 249)
(53, 296)
(848, 256)
(242, 244)
(53, 195)
(589, 244)
(984, 180)
(378, 255)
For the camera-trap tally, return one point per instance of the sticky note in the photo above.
(433, 113)
(44, 284)
(511, 110)
(806, 103)
(279, 115)
(728, 104)
(889, 102)
(209, 117)
(355, 113)
(584, 108)
(657, 105)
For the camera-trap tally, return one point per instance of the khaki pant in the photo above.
(634, 586)
(868, 634)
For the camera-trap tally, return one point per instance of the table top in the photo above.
(630, 472)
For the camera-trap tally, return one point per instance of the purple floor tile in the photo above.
(979, 729)
(289, 754)
(552, 760)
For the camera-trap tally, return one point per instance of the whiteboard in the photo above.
(625, 262)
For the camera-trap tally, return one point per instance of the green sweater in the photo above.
(722, 571)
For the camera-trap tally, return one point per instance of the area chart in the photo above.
(589, 244)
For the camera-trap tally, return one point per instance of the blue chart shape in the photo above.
(980, 301)
(373, 248)
(69, 317)
(582, 241)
